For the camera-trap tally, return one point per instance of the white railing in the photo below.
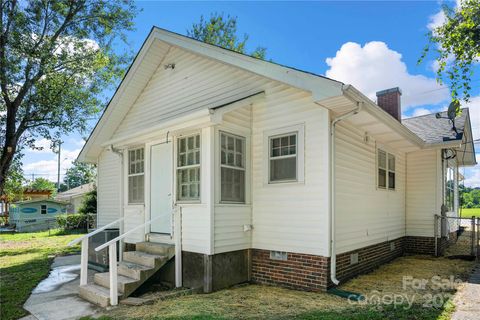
(112, 252)
(84, 255)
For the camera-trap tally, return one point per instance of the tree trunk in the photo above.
(10, 145)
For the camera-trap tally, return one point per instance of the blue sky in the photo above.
(373, 45)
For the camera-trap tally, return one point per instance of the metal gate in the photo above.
(457, 237)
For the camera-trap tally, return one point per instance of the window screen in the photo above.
(188, 168)
(232, 167)
(283, 158)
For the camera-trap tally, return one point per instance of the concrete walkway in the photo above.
(56, 298)
(467, 299)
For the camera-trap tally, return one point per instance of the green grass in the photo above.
(468, 213)
(25, 260)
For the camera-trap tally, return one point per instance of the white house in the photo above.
(75, 196)
(282, 176)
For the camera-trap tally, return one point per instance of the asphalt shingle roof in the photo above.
(433, 130)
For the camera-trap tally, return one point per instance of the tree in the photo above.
(457, 47)
(222, 31)
(79, 174)
(56, 57)
(44, 184)
(89, 203)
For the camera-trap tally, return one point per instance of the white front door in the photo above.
(161, 203)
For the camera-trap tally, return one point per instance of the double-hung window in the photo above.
(283, 158)
(385, 170)
(188, 168)
(232, 168)
(136, 176)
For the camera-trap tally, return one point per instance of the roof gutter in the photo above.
(333, 255)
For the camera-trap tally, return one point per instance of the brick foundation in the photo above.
(312, 272)
(420, 245)
(369, 258)
(299, 271)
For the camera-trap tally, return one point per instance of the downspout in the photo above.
(119, 153)
(333, 256)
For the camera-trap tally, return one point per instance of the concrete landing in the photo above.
(467, 298)
(56, 298)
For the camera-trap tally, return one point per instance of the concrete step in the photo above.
(96, 294)
(125, 285)
(144, 259)
(133, 270)
(163, 249)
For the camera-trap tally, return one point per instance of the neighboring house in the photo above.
(75, 196)
(35, 215)
(283, 176)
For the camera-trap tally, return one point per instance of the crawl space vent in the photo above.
(278, 255)
(392, 246)
(354, 258)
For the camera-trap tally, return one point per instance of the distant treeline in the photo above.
(469, 197)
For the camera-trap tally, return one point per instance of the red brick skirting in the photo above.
(420, 245)
(369, 258)
(300, 271)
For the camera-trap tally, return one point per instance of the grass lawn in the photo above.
(468, 213)
(264, 302)
(25, 260)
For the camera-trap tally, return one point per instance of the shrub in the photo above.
(75, 221)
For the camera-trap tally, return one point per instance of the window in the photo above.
(386, 170)
(136, 178)
(43, 209)
(232, 168)
(188, 168)
(283, 158)
(450, 189)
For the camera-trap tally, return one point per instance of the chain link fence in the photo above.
(457, 237)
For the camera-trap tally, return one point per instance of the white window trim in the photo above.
(41, 208)
(176, 167)
(299, 129)
(387, 169)
(134, 175)
(220, 165)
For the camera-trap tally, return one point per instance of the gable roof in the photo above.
(151, 54)
(75, 192)
(437, 130)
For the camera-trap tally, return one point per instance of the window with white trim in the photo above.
(188, 168)
(136, 176)
(385, 170)
(232, 168)
(450, 188)
(43, 209)
(283, 157)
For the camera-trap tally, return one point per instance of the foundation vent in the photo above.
(392, 246)
(279, 255)
(354, 258)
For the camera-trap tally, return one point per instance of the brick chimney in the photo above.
(389, 100)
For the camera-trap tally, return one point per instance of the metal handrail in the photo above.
(123, 235)
(112, 253)
(88, 235)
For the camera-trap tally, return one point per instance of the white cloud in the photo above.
(420, 112)
(472, 175)
(376, 67)
(48, 168)
(43, 146)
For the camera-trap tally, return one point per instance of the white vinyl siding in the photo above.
(365, 214)
(108, 188)
(424, 191)
(291, 217)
